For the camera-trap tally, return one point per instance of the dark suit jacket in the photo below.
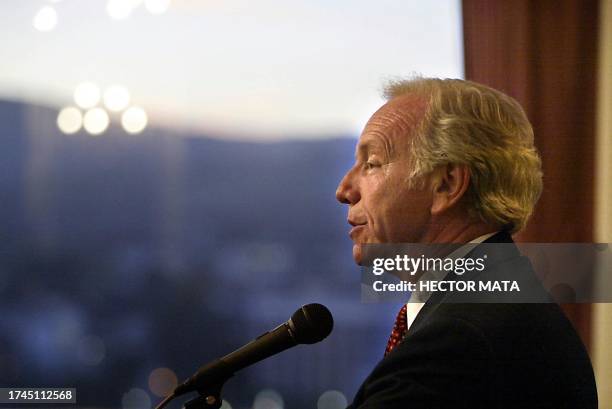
(502, 355)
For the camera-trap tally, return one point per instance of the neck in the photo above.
(458, 231)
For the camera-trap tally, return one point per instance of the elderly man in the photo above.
(452, 161)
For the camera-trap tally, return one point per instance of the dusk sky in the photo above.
(269, 68)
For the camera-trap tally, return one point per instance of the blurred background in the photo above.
(168, 169)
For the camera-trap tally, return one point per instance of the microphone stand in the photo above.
(209, 398)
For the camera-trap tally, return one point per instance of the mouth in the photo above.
(356, 230)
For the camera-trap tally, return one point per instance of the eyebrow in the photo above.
(370, 144)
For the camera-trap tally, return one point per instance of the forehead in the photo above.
(394, 122)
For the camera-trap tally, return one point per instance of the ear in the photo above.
(449, 186)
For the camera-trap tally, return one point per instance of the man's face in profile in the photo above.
(382, 207)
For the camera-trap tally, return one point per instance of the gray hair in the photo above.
(471, 124)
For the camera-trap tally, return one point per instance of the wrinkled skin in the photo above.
(382, 207)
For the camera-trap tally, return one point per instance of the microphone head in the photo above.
(311, 323)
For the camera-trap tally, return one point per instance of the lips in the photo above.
(356, 230)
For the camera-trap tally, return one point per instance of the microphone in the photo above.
(308, 325)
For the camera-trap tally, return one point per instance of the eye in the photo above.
(370, 165)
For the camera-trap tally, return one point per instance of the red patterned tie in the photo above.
(399, 330)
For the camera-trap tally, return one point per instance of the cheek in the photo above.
(406, 214)
(412, 219)
(380, 206)
(376, 203)
(394, 212)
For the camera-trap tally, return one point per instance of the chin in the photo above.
(357, 253)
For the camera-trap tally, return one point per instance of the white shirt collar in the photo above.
(418, 298)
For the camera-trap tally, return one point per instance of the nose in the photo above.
(347, 191)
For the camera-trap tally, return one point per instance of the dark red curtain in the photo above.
(543, 53)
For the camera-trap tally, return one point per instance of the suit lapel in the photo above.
(437, 298)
